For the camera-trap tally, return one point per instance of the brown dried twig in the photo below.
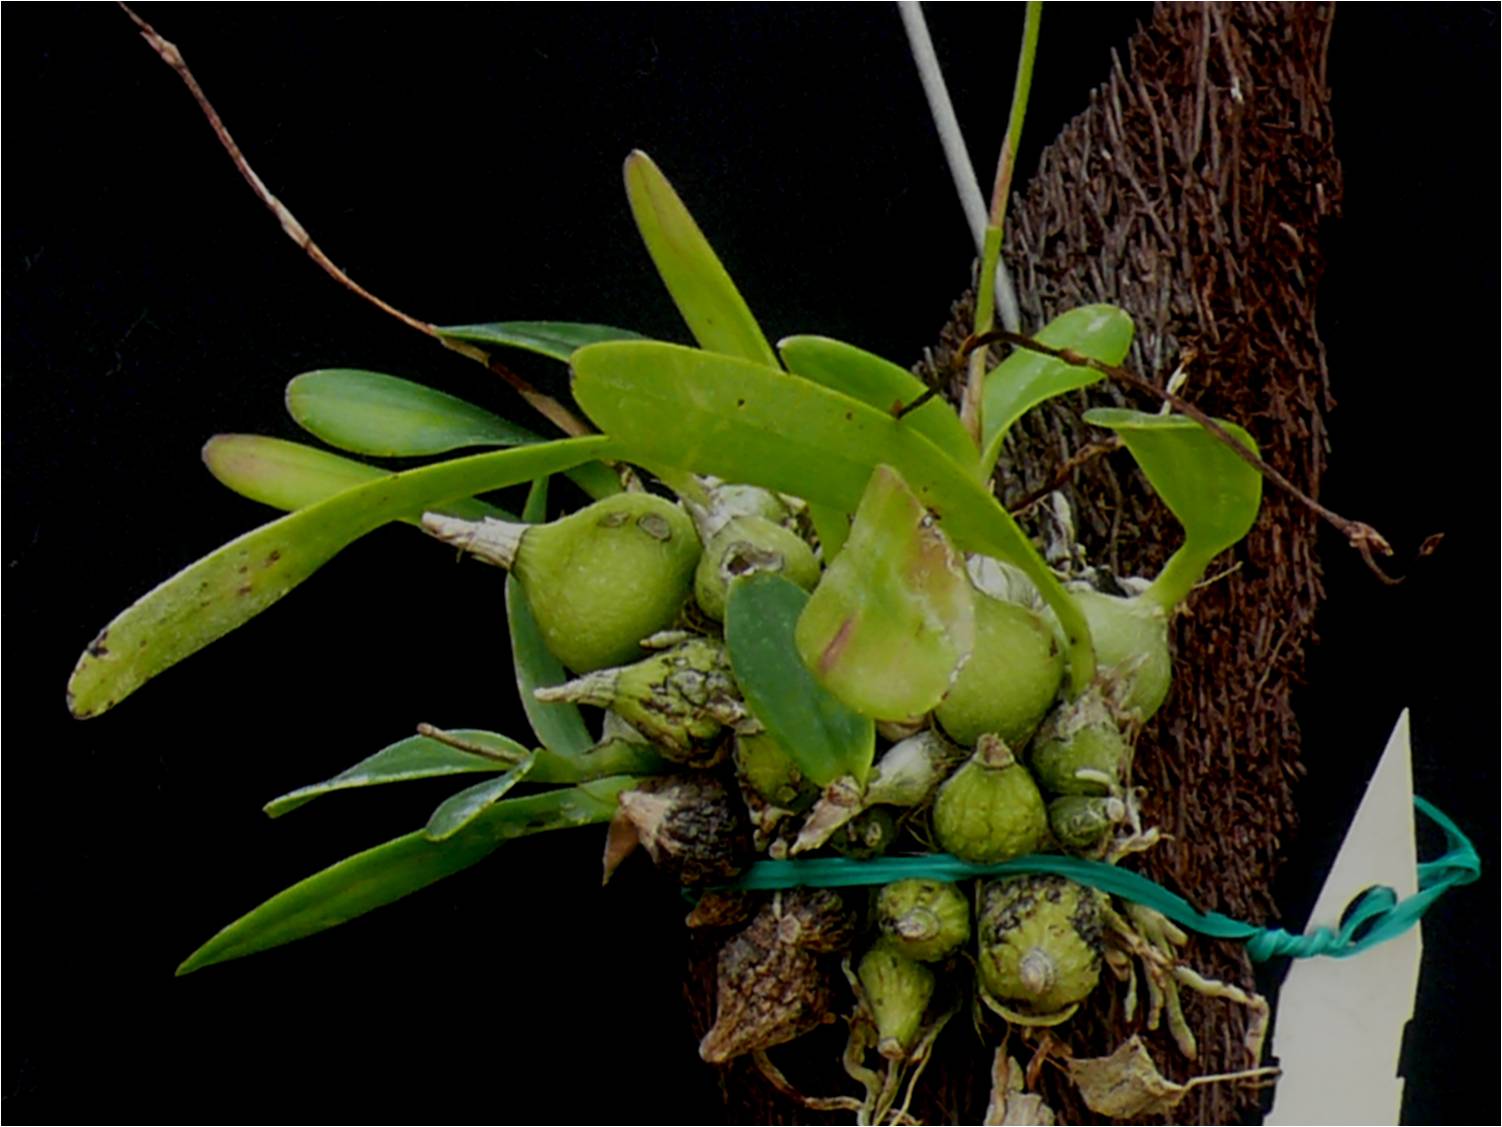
(550, 408)
(1066, 470)
(1363, 537)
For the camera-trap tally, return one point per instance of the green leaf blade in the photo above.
(462, 809)
(558, 725)
(233, 584)
(388, 872)
(555, 339)
(375, 414)
(1025, 379)
(825, 739)
(712, 307)
(416, 757)
(1213, 493)
(745, 422)
(881, 384)
(290, 476)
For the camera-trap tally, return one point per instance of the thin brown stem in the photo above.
(1083, 456)
(459, 743)
(1363, 537)
(559, 415)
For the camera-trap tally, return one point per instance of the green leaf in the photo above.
(384, 416)
(288, 475)
(894, 616)
(416, 757)
(460, 810)
(233, 584)
(388, 872)
(881, 384)
(1213, 493)
(1025, 379)
(711, 306)
(833, 528)
(371, 413)
(745, 422)
(559, 726)
(557, 339)
(824, 738)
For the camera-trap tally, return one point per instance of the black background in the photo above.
(464, 164)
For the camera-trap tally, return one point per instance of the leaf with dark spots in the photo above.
(865, 376)
(294, 547)
(799, 438)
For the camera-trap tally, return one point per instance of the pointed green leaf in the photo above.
(556, 339)
(1025, 379)
(388, 872)
(559, 726)
(371, 413)
(881, 384)
(745, 422)
(232, 585)
(416, 757)
(893, 618)
(460, 810)
(1213, 493)
(824, 738)
(288, 475)
(383, 416)
(712, 307)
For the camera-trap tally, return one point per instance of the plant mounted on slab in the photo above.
(893, 508)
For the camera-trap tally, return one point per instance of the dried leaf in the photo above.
(1125, 1084)
(1009, 1105)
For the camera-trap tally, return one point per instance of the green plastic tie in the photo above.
(1375, 916)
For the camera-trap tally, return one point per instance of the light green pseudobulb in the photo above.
(990, 809)
(1131, 647)
(927, 920)
(1080, 748)
(747, 544)
(1011, 678)
(599, 580)
(897, 990)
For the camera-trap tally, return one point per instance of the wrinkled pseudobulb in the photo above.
(772, 985)
(990, 809)
(1040, 943)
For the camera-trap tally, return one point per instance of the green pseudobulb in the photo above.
(1082, 821)
(770, 771)
(604, 578)
(1040, 943)
(746, 544)
(1011, 678)
(679, 698)
(1080, 748)
(897, 990)
(1131, 646)
(990, 809)
(927, 920)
